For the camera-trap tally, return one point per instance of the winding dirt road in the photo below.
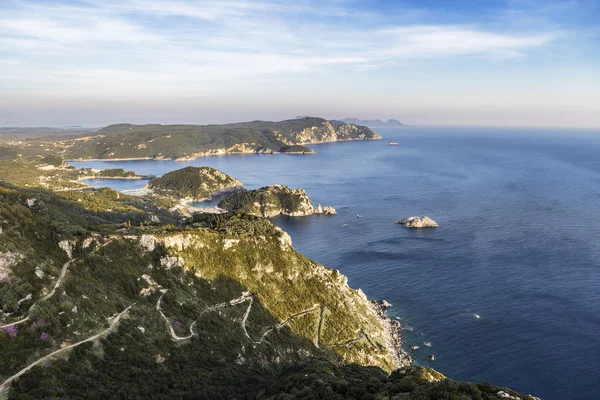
(59, 281)
(244, 298)
(6, 384)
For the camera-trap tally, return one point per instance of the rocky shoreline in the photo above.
(239, 149)
(393, 333)
(376, 136)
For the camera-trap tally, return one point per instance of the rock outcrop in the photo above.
(7, 261)
(333, 132)
(416, 222)
(271, 201)
(394, 332)
(198, 184)
(325, 210)
(240, 148)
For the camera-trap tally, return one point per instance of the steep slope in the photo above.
(281, 306)
(198, 183)
(220, 307)
(328, 312)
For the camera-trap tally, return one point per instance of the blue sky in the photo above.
(95, 62)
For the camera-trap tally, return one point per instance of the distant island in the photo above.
(374, 123)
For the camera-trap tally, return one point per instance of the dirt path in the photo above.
(320, 325)
(15, 323)
(276, 327)
(169, 326)
(59, 281)
(244, 298)
(174, 336)
(6, 384)
(360, 336)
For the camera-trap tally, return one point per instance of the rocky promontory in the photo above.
(296, 149)
(195, 183)
(270, 201)
(418, 222)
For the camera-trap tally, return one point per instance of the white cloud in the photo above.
(131, 42)
(165, 49)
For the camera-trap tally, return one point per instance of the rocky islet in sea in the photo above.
(418, 222)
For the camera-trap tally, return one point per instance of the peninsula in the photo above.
(187, 142)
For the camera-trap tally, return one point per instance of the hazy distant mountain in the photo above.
(374, 123)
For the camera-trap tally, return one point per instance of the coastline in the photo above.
(391, 328)
(116, 159)
(393, 333)
(217, 152)
(346, 140)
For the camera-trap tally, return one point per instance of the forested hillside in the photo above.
(138, 303)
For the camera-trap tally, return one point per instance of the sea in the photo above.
(507, 288)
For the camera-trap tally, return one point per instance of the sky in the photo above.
(464, 62)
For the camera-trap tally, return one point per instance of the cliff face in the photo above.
(241, 148)
(270, 201)
(328, 132)
(196, 183)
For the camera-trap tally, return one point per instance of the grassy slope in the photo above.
(287, 283)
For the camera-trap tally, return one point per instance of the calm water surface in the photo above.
(518, 243)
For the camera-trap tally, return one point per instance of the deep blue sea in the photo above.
(518, 243)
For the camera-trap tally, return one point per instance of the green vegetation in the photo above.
(181, 141)
(24, 173)
(51, 172)
(296, 149)
(269, 201)
(115, 173)
(235, 224)
(197, 183)
(251, 317)
(53, 160)
(35, 133)
(8, 153)
(286, 283)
